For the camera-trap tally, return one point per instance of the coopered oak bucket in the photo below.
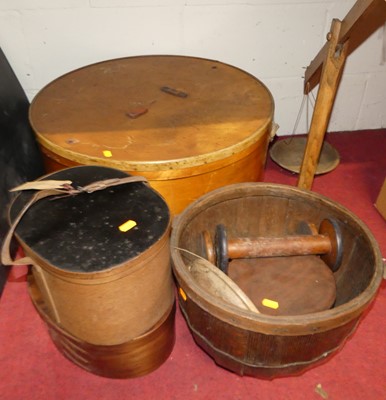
(259, 344)
(101, 276)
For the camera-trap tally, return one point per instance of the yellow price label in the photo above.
(183, 294)
(126, 226)
(270, 303)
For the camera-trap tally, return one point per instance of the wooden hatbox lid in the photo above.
(150, 113)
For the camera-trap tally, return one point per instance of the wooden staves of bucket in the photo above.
(259, 344)
(189, 125)
(101, 276)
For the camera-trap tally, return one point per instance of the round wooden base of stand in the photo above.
(134, 358)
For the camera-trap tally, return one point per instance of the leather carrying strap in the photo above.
(60, 189)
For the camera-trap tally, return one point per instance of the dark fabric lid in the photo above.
(81, 233)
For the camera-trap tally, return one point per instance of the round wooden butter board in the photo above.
(294, 285)
(169, 118)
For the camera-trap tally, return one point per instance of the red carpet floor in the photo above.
(31, 367)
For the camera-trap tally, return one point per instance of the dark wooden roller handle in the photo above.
(278, 246)
(327, 243)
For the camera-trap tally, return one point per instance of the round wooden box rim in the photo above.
(284, 325)
(86, 233)
(84, 115)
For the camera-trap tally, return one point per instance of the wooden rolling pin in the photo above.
(327, 242)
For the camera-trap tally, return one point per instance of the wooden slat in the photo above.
(363, 19)
(331, 73)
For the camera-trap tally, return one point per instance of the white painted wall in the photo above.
(274, 40)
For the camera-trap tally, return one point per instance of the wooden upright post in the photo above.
(363, 19)
(329, 82)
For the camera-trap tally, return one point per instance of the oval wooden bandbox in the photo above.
(101, 276)
(189, 125)
(267, 344)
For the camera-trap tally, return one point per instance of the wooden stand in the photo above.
(327, 67)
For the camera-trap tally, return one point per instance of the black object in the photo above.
(20, 158)
(331, 228)
(81, 233)
(221, 248)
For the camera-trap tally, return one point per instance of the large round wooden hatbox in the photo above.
(189, 125)
(264, 344)
(101, 276)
